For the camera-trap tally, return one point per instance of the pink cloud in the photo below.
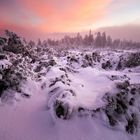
(52, 15)
(56, 17)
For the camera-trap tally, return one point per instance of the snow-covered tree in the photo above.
(104, 40)
(98, 40)
(14, 43)
(90, 38)
(109, 41)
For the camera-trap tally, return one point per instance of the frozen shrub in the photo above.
(52, 62)
(122, 105)
(129, 61)
(133, 91)
(80, 109)
(3, 86)
(61, 110)
(132, 124)
(96, 57)
(8, 96)
(123, 85)
(112, 120)
(119, 107)
(25, 95)
(2, 57)
(132, 101)
(11, 78)
(119, 66)
(38, 69)
(14, 43)
(61, 103)
(72, 59)
(133, 60)
(107, 65)
(3, 41)
(88, 59)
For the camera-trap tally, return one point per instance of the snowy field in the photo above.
(70, 95)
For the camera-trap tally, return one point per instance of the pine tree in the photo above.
(104, 39)
(109, 41)
(98, 40)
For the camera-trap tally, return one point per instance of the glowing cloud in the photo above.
(66, 15)
(56, 15)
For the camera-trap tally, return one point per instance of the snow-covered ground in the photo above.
(65, 100)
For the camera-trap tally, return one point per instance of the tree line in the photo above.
(99, 39)
(12, 42)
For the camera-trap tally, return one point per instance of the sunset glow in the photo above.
(66, 15)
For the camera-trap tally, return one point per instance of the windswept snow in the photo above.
(30, 120)
(78, 81)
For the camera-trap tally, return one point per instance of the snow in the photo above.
(4, 64)
(31, 118)
(95, 85)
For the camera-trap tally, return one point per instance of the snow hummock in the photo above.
(29, 120)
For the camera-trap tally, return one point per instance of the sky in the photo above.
(53, 16)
